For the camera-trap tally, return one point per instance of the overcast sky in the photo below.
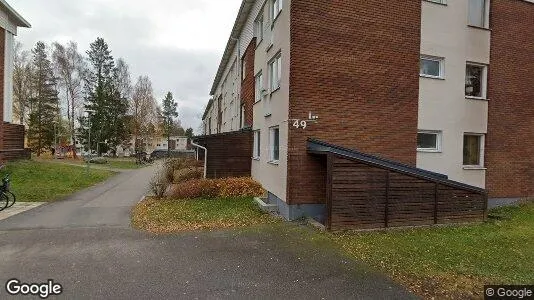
(177, 43)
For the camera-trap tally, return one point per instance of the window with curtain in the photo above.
(477, 13)
(472, 150)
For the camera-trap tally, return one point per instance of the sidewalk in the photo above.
(18, 208)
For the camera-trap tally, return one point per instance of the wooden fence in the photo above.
(229, 154)
(364, 197)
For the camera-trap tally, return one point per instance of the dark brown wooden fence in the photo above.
(229, 154)
(364, 197)
(13, 135)
(13, 143)
(367, 192)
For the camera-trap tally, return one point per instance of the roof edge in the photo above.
(317, 146)
(20, 21)
(244, 11)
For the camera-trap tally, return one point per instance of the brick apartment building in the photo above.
(446, 86)
(11, 135)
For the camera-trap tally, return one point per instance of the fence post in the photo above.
(436, 203)
(386, 217)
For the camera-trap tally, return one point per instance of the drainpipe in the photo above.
(205, 157)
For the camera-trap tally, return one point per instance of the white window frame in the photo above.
(272, 159)
(486, 15)
(258, 86)
(438, 59)
(439, 137)
(257, 145)
(275, 72)
(484, 79)
(482, 142)
(276, 9)
(259, 28)
(444, 2)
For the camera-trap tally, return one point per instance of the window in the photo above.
(275, 72)
(438, 1)
(473, 150)
(276, 8)
(257, 143)
(259, 87)
(477, 13)
(475, 80)
(258, 28)
(429, 141)
(274, 142)
(243, 69)
(431, 67)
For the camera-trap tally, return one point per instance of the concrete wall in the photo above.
(442, 102)
(273, 177)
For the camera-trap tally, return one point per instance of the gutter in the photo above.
(205, 157)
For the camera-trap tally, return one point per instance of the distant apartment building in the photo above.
(11, 135)
(442, 85)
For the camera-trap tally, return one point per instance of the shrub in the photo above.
(159, 184)
(171, 165)
(216, 188)
(188, 174)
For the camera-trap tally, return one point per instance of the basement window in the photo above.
(429, 141)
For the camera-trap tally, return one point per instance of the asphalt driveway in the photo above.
(86, 244)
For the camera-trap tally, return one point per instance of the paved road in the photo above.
(85, 243)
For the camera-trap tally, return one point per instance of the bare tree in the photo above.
(70, 68)
(143, 108)
(123, 80)
(22, 83)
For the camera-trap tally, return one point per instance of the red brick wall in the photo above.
(355, 64)
(510, 139)
(248, 84)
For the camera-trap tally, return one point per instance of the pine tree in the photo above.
(107, 106)
(44, 105)
(170, 111)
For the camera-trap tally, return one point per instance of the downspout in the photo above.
(205, 157)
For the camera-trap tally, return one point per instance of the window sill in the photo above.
(431, 77)
(256, 158)
(274, 162)
(474, 168)
(434, 2)
(428, 151)
(269, 47)
(478, 27)
(256, 101)
(268, 115)
(476, 98)
(275, 90)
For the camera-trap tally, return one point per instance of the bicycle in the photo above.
(5, 194)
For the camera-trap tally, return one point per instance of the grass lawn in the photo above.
(452, 261)
(113, 163)
(33, 181)
(166, 216)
